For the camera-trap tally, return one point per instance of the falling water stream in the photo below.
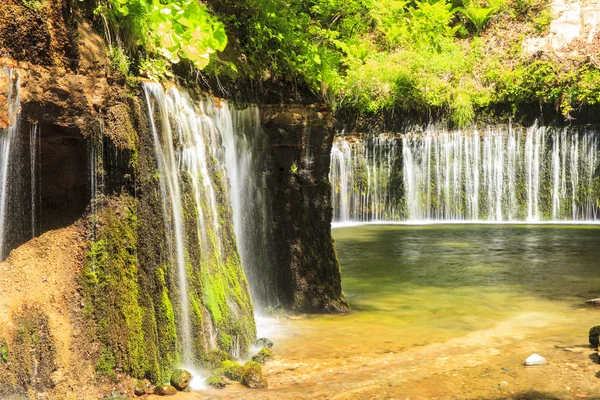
(7, 137)
(497, 175)
(208, 144)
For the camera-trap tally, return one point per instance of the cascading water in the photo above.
(244, 141)
(172, 204)
(7, 139)
(538, 174)
(195, 145)
(34, 159)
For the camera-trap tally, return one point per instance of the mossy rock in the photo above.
(263, 355)
(139, 387)
(253, 376)
(594, 336)
(264, 342)
(115, 396)
(215, 358)
(231, 370)
(165, 390)
(180, 379)
(216, 382)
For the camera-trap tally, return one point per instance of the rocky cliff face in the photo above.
(97, 166)
(306, 270)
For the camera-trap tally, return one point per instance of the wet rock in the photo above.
(594, 336)
(180, 379)
(264, 342)
(216, 382)
(253, 376)
(115, 396)
(139, 387)
(165, 390)
(231, 370)
(535, 359)
(215, 358)
(263, 355)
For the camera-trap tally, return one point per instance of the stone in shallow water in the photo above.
(180, 379)
(165, 390)
(264, 342)
(594, 336)
(535, 359)
(253, 376)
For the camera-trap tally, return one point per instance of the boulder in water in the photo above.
(535, 359)
(594, 336)
(165, 390)
(264, 342)
(180, 379)
(253, 376)
(215, 358)
(231, 370)
(216, 382)
(263, 355)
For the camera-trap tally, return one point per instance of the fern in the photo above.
(479, 16)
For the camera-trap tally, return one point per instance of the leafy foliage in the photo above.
(477, 14)
(173, 29)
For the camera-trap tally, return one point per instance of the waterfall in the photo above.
(498, 174)
(34, 159)
(244, 143)
(204, 158)
(171, 200)
(7, 138)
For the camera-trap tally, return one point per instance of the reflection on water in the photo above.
(416, 285)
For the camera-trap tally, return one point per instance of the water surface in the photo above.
(411, 286)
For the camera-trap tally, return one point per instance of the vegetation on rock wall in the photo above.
(39, 31)
(130, 281)
(27, 357)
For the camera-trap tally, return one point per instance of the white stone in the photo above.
(571, 20)
(535, 359)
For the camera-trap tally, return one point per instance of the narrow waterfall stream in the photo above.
(500, 174)
(7, 138)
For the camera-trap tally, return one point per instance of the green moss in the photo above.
(231, 370)
(215, 358)
(111, 285)
(263, 355)
(216, 382)
(3, 350)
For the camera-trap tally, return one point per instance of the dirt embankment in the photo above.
(41, 313)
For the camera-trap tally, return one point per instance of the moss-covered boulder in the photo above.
(180, 379)
(263, 355)
(165, 390)
(264, 342)
(216, 381)
(139, 387)
(231, 370)
(115, 396)
(215, 358)
(594, 336)
(252, 376)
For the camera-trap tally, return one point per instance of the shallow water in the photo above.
(445, 312)
(411, 286)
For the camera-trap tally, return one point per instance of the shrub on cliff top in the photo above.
(173, 29)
